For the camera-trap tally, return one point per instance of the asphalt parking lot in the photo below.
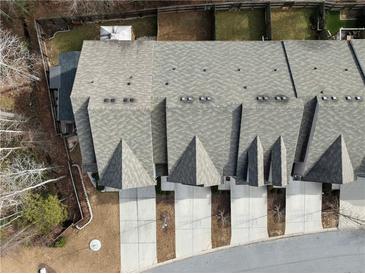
(333, 251)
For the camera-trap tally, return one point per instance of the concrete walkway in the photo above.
(337, 251)
(303, 207)
(137, 228)
(192, 220)
(248, 214)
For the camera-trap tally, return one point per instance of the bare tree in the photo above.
(165, 220)
(17, 64)
(86, 7)
(222, 217)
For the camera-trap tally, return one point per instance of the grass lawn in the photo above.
(292, 24)
(185, 26)
(72, 40)
(240, 25)
(333, 22)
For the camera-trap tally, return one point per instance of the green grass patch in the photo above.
(240, 25)
(72, 40)
(293, 24)
(333, 22)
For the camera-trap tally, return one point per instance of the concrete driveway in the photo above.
(248, 214)
(303, 207)
(336, 251)
(192, 220)
(137, 209)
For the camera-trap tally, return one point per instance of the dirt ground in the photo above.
(240, 25)
(292, 24)
(76, 256)
(165, 209)
(330, 206)
(221, 229)
(185, 26)
(276, 211)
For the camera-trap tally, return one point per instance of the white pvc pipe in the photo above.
(87, 199)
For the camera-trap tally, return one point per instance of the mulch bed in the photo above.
(330, 206)
(221, 218)
(165, 214)
(276, 211)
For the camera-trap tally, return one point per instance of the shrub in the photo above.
(44, 212)
(60, 242)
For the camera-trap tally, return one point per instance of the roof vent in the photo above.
(125, 100)
(259, 98)
(208, 98)
(358, 98)
(183, 98)
(129, 83)
(348, 98)
(106, 100)
(131, 100)
(284, 98)
(346, 69)
(324, 98)
(265, 98)
(189, 99)
(334, 98)
(112, 100)
(314, 68)
(202, 98)
(278, 98)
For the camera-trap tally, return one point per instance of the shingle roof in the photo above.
(231, 132)
(269, 120)
(255, 158)
(68, 64)
(195, 166)
(279, 166)
(359, 52)
(112, 122)
(334, 165)
(334, 118)
(323, 66)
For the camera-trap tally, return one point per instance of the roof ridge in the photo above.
(256, 163)
(279, 163)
